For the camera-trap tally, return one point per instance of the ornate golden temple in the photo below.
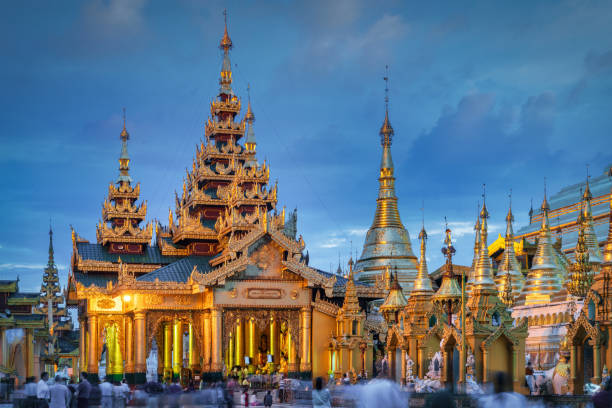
(227, 285)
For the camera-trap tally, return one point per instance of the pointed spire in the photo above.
(395, 300)
(226, 68)
(483, 276)
(544, 278)
(250, 142)
(422, 283)
(351, 301)
(470, 279)
(448, 296)
(124, 158)
(509, 271)
(51, 262)
(386, 130)
(586, 218)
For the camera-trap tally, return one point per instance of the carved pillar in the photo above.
(82, 346)
(596, 363)
(391, 359)
(167, 351)
(114, 352)
(129, 345)
(216, 320)
(194, 355)
(272, 342)
(305, 319)
(177, 347)
(140, 364)
(92, 348)
(207, 342)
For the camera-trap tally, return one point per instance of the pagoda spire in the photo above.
(470, 279)
(586, 218)
(51, 261)
(607, 253)
(351, 301)
(250, 143)
(543, 280)
(50, 291)
(509, 269)
(387, 233)
(422, 283)
(225, 79)
(124, 158)
(483, 275)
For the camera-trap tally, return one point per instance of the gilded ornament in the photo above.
(105, 303)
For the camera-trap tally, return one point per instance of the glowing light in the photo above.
(127, 298)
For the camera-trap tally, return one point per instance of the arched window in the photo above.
(495, 320)
(355, 327)
(432, 321)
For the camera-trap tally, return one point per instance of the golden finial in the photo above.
(250, 116)
(545, 206)
(226, 42)
(386, 131)
(484, 214)
(124, 133)
(587, 190)
(510, 216)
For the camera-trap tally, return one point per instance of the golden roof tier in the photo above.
(394, 302)
(121, 217)
(226, 193)
(544, 278)
(509, 269)
(448, 295)
(387, 243)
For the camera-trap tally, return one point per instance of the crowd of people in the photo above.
(172, 394)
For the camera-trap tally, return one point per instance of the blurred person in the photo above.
(83, 391)
(106, 393)
(268, 399)
(59, 394)
(119, 397)
(603, 398)
(42, 391)
(30, 392)
(321, 398)
(503, 395)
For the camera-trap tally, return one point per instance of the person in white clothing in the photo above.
(60, 394)
(106, 392)
(42, 390)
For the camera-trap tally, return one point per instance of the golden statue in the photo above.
(561, 373)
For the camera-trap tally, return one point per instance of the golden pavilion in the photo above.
(225, 284)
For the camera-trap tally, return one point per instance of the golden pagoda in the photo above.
(387, 243)
(544, 278)
(590, 239)
(470, 280)
(509, 270)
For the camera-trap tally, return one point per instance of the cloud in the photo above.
(595, 66)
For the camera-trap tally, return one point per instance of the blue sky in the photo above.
(502, 93)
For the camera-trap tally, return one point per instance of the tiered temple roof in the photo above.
(120, 228)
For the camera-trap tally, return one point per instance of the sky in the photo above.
(500, 93)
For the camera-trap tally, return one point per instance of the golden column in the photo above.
(140, 341)
(216, 320)
(30, 353)
(290, 350)
(239, 344)
(207, 342)
(251, 340)
(115, 367)
(194, 355)
(177, 347)
(231, 353)
(92, 348)
(272, 342)
(167, 351)
(129, 344)
(82, 346)
(596, 363)
(305, 317)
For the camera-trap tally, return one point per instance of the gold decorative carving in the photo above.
(105, 303)
(294, 294)
(182, 300)
(152, 299)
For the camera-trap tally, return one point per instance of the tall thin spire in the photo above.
(470, 279)
(509, 270)
(250, 143)
(226, 68)
(586, 219)
(607, 253)
(387, 233)
(483, 276)
(422, 283)
(124, 158)
(51, 262)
